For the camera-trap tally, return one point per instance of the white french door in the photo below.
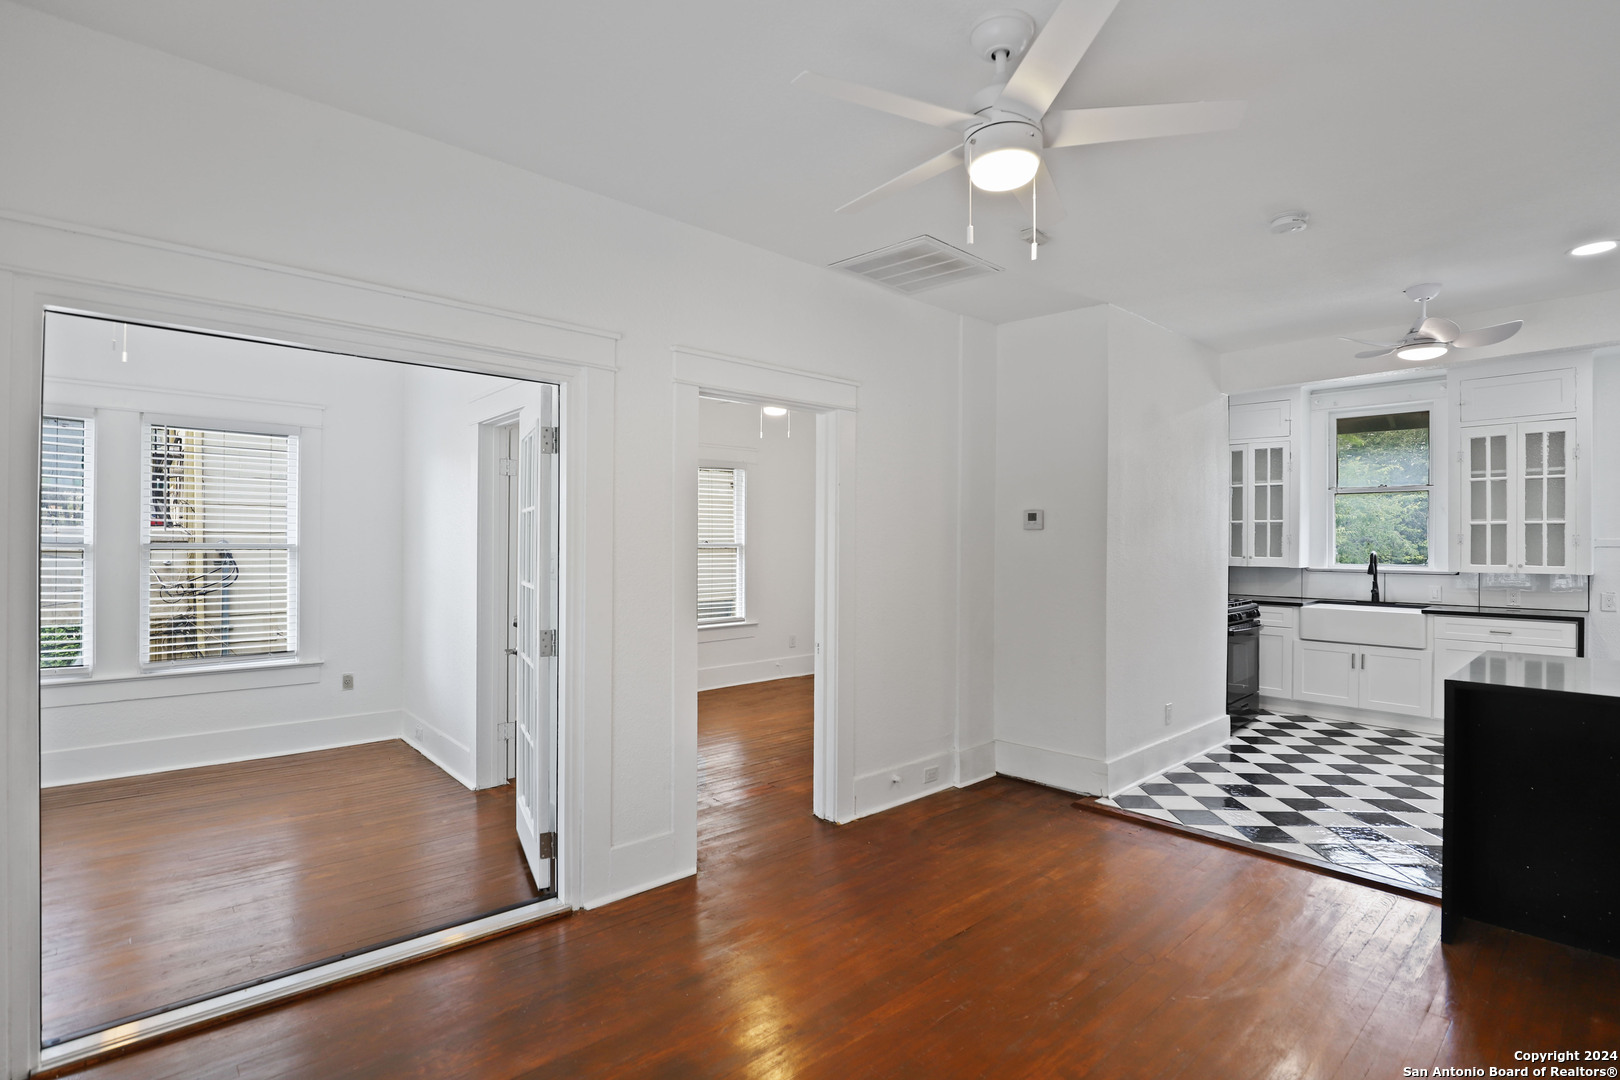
(536, 659)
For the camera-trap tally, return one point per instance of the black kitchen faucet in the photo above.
(1372, 568)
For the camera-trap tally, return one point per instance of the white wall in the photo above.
(1166, 550)
(780, 543)
(182, 180)
(350, 560)
(1052, 391)
(1115, 427)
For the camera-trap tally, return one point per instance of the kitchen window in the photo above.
(220, 546)
(721, 592)
(1382, 489)
(65, 510)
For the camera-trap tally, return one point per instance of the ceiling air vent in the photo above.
(917, 264)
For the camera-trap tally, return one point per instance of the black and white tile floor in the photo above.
(1360, 798)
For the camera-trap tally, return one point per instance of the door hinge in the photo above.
(550, 440)
(548, 845)
(508, 467)
(507, 730)
(548, 643)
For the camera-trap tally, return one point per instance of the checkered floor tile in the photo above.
(1361, 798)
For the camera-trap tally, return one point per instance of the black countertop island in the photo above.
(1532, 798)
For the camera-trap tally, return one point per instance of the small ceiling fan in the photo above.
(1432, 337)
(1009, 123)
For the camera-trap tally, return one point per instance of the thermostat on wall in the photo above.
(1034, 519)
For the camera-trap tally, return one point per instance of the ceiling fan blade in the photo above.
(1078, 127)
(1373, 354)
(1439, 329)
(1048, 204)
(1052, 57)
(1487, 335)
(1374, 344)
(926, 171)
(883, 101)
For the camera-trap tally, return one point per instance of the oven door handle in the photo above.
(1243, 628)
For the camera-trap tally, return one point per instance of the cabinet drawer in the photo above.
(1279, 616)
(1507, 632)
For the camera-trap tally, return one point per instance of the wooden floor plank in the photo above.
(990, 931)
(158, 888)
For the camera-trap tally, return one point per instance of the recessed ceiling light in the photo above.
(1596, 247)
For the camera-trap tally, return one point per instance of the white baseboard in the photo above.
(1429, 725)
(622, 894)
(83, 764)
(1055, 768)
(1150, 760)
(887, 788)
(438, 746)
(975, 763)
(639, 865)
(781, 667)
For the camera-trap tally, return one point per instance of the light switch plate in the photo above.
(1034, 519)
(1606, 601)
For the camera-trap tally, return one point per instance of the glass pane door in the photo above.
(1237, 521)
(1488, 499)
(1546, 481)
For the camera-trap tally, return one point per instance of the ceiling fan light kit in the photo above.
(1011, 122)
(1596, 247)
(1432, 337)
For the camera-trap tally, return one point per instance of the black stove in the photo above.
(1242, 657)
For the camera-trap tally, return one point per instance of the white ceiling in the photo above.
(1470, 142)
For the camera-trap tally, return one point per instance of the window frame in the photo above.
(297, 495)
(1326, 550)
(85, 543)
(739, 541)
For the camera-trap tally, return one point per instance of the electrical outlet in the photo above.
(419, 734)
(793, 641)
(1606, 601)
(1434, 592)
(931, 774)
(1513, 598)
(1168, 707)
(348, 680)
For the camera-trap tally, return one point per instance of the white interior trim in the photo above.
(76, 269)
(696, 373)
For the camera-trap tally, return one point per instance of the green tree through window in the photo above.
(1381, 501)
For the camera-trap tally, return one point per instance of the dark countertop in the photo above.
(1433, 609)
(1554, 674)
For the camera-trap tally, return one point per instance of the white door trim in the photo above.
(72, 270)
(700, 373)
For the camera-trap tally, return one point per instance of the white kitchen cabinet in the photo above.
(1277, 639)
(1459, 639)
(1518, 494)
(1364, 677)
(1262, 521)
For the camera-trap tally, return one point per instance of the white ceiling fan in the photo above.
(1432, 337)
(1008, 124)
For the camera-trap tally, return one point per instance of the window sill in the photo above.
(177, 683)
(731, 631)
(1382, 570)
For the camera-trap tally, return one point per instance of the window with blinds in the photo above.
(64, 543)
(220, 553)
(720, 592)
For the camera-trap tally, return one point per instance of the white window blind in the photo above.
(64, 542)
(221, 554)
(720, 594)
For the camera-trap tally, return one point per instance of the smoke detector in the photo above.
(1293, 221)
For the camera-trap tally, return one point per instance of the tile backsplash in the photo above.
(1556, 592)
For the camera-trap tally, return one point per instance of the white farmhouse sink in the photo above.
(1364, 624)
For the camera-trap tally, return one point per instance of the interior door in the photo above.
(537, 644)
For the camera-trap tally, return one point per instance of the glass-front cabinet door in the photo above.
(1260, 525)
(1518, 491)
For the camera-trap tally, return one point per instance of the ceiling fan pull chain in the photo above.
(1034, 234)
(968, 157)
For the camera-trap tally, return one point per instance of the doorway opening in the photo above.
(262, 663)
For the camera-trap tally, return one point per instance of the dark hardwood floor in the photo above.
(157, 888)
(988, 932)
